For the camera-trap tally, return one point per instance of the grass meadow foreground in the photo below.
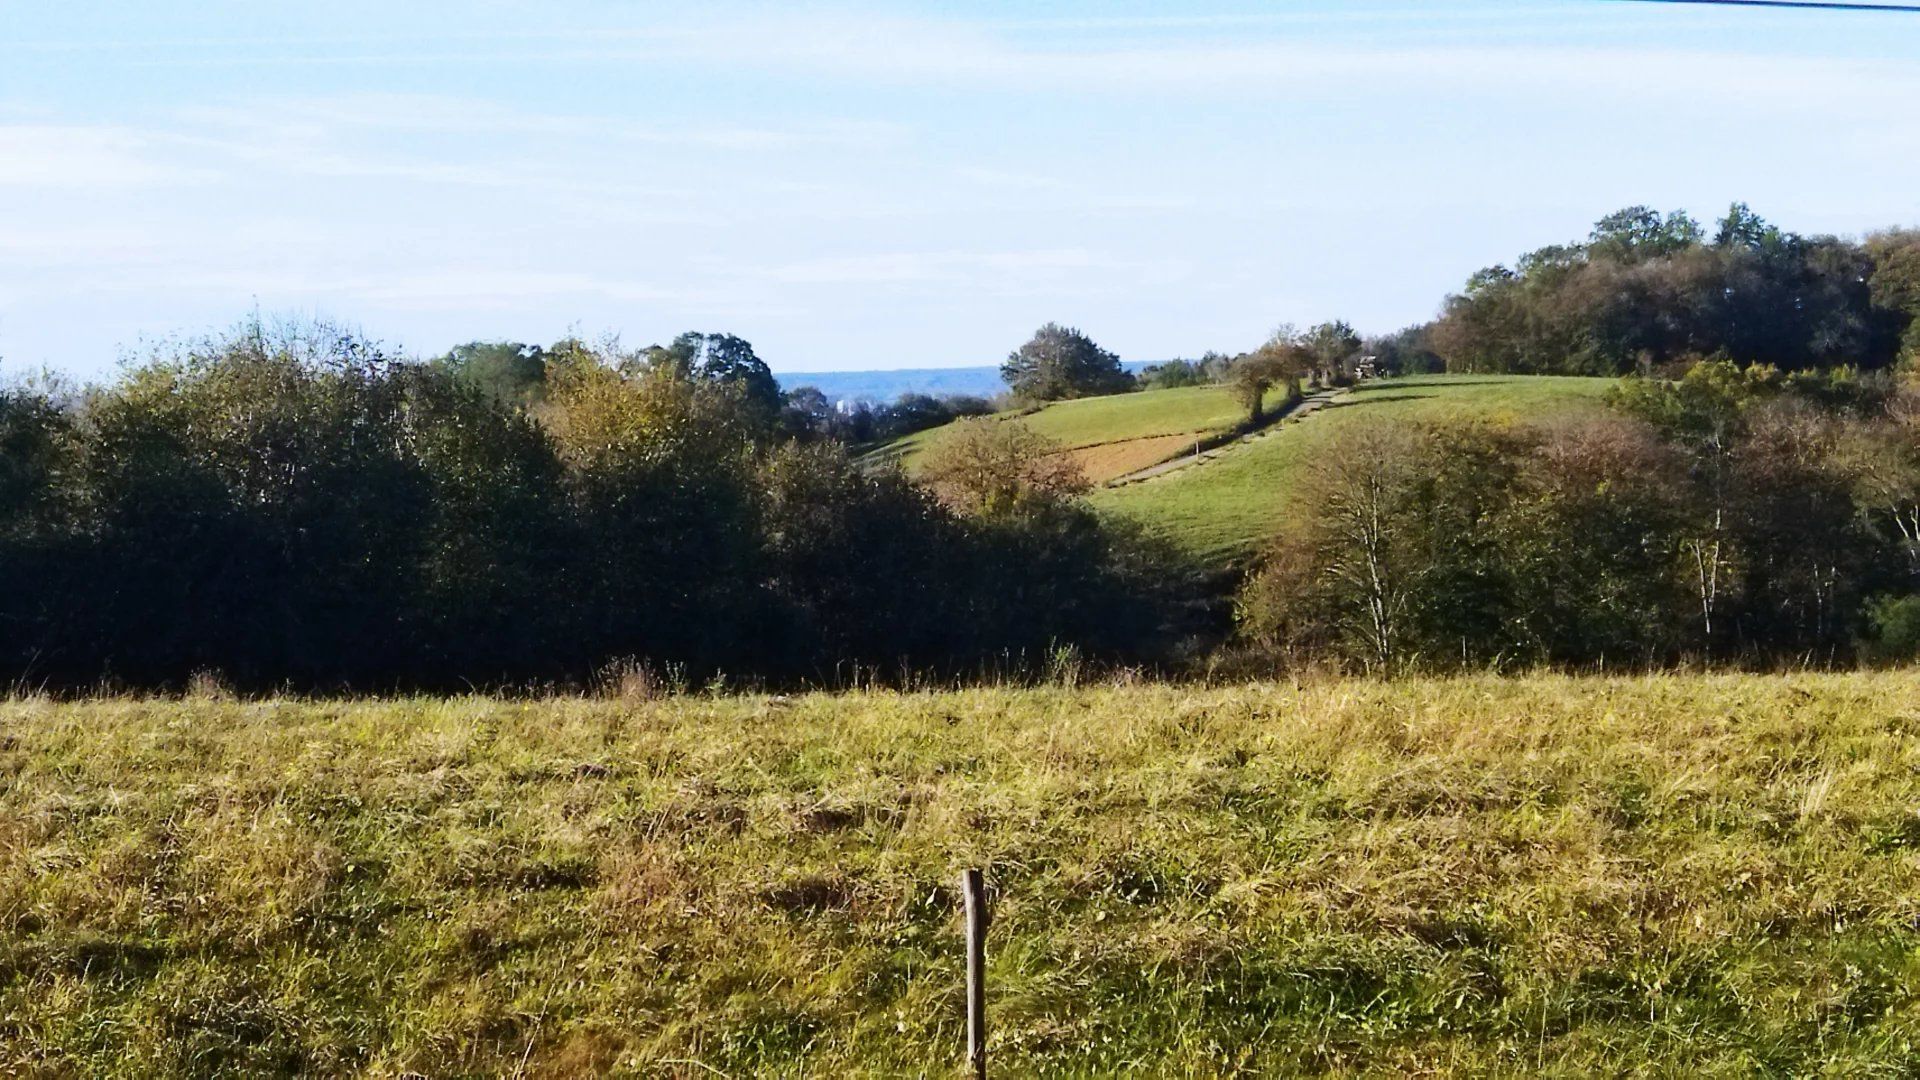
(1662, 875)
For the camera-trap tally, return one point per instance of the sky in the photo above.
(863, 186)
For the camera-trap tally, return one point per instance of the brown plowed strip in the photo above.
(1108, 460)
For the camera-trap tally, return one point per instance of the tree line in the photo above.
(1062, 363)
(1651, 293)
(1645, 293)
(515, 373)
(1737, 515)
(1752, 496)
(292, 506)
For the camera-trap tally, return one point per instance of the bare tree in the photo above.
(1883, 459)
(1361, 494)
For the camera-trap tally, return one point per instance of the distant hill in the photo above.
(1224, 508)
(888, 385)
(1121, 433)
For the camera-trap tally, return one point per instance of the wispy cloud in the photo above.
(371, 137)
(1005, 178)
(975, 272)
(448, 116)
(803, 170)
(930, 51)
(1258, 56)
(931, 267)
(106, 156)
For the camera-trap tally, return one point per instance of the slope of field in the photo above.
(1108, 461)
(1222, 510)
(1656, 876)
(1139, 429)
(882, 385)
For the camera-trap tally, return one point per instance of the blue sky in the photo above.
(872, 186)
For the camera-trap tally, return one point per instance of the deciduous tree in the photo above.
(1060, 362)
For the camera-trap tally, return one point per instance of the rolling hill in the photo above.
(1221, 508)
(1116, 435)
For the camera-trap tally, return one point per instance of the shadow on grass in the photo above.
(1435, 380)
(1374, 399)
(881, 456)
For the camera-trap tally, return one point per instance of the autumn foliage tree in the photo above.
(1000, 468)
(1738, 515)
(293, 506)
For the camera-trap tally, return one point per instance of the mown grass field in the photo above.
(1223, 510)
(1131, 431)
(1657, 876)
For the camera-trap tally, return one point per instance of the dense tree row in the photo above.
(515, 373)
(808, 414)
(1734, 515)
(1647, 291)
(298, 508)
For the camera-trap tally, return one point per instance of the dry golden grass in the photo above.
(1449, 877)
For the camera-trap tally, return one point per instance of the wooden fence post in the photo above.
(973, 888)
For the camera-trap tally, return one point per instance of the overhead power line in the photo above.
(1816, 5)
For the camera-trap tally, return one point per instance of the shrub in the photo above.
(1893, 629)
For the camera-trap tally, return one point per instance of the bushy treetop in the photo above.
(1060, 362)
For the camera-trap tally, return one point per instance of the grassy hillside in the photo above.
(1120, 433)
(1657, 876)
(1225, 508)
